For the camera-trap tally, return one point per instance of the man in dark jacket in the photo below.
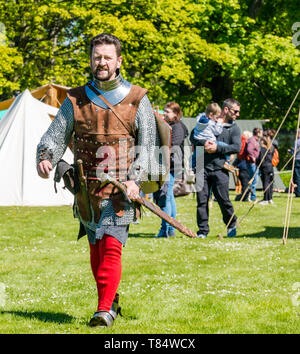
(214, 176)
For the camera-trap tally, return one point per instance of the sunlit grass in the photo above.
(176, 285)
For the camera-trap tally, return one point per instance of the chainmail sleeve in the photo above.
(55, 141)
(148, 142)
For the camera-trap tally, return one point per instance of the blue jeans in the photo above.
(170, 207)
(251, 169)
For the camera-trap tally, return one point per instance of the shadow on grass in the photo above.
(42, 316)
(273, 232)
(142, 235)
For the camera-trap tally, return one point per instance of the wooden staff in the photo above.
(149, 205)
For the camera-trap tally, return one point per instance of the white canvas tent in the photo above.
(21, 129)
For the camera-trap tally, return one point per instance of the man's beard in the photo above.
(229, 118)
(98, 74)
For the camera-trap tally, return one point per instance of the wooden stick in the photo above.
(149, 205)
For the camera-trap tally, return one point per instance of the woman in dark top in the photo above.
(172, 115)
(266, 170)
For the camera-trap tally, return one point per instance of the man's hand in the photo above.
(44, 168)
(133, 190)
(210, 147)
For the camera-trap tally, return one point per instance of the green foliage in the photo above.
(10, 62)
(193, 52)
(268, 78)
(286, 178)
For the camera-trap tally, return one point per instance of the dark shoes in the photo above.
(101, 319)
(161, 234)
(231, 232)
(106, 318)
(165, 234)
(201, 235)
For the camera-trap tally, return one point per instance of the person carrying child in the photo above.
(214, 175)
(208, 127)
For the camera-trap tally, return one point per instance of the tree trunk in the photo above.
(255, 8)
(221, 88)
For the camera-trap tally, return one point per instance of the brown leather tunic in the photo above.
(102, 141)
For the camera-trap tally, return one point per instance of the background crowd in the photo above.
(246, 155)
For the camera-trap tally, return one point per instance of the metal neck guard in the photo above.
(114, 91)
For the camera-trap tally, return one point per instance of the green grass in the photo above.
(247, 284)
(286, 178)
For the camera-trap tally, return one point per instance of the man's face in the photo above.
(104, 62)
(260, 133)
(231, 113)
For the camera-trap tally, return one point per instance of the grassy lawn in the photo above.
(247, 284)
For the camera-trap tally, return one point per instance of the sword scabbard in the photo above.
(83, 190)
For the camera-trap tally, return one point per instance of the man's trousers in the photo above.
(218, 181)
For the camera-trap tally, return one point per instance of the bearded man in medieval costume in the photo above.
(96, 130)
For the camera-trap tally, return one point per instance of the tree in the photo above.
(189, 51)
(10, 61)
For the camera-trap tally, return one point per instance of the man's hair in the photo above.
(105, 38)
(256, 131)
(271, 133)
(213, 108)
(229, 102)
(266, 142)
(176, 109)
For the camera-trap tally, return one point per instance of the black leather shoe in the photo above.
(101, 319)
(106, 318)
